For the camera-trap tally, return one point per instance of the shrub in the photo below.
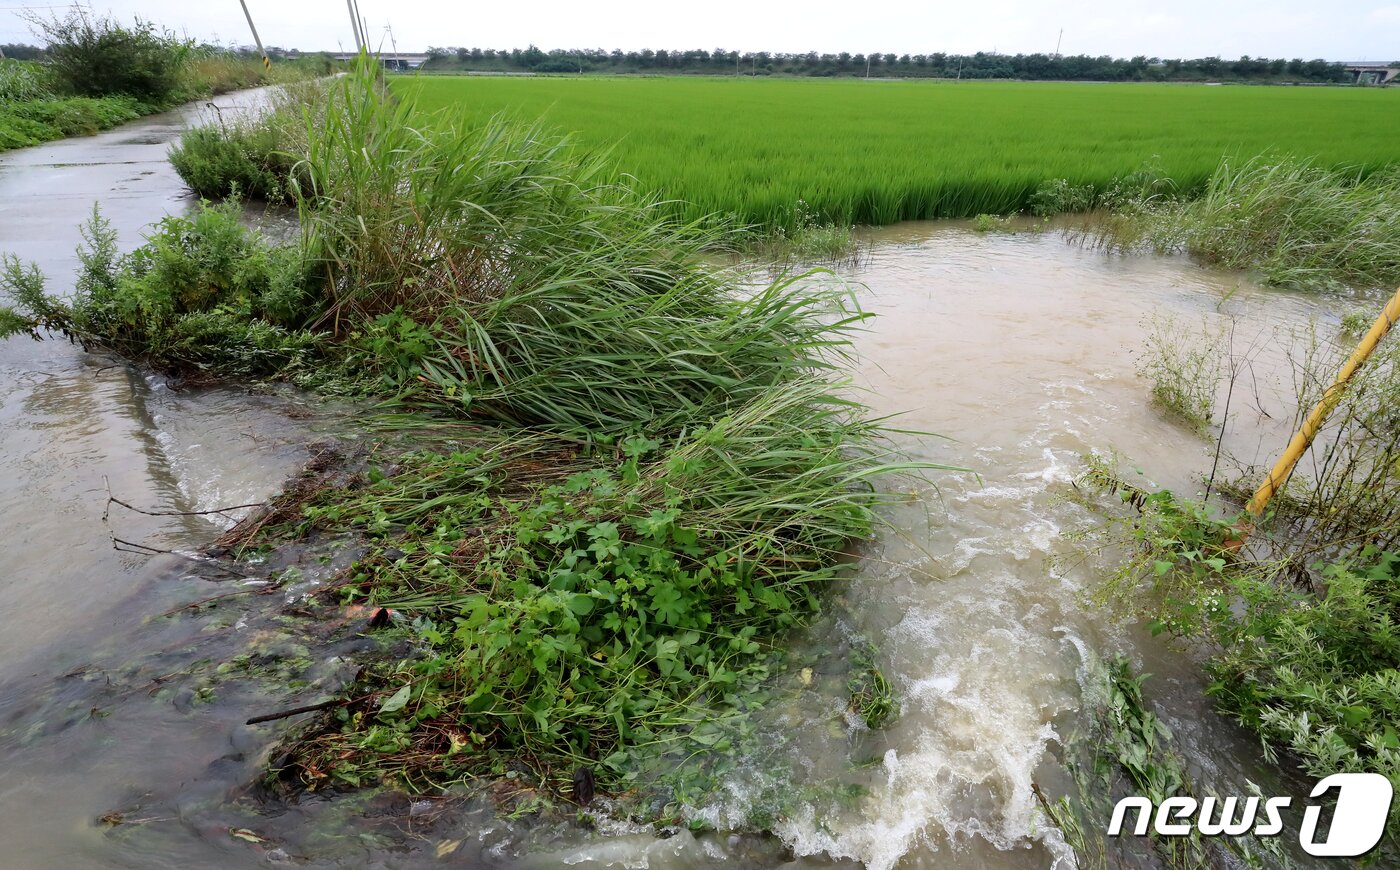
(241, 160)
(252, 157)
(95, 56)
(1184, 369)
(1059, 196)
(203, 294)
(990, 223)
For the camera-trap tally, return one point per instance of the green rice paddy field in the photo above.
(876, 152)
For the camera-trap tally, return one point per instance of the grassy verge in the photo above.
(34, 108)
(627, 474)
(31, 122)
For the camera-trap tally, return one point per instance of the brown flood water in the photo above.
(1018, 347)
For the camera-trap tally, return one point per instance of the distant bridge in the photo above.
(390, 59)
(1366, 73)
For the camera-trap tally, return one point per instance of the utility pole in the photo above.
(364, 27)
(267, 65)
(867, 67)
(1058, 40)
(355, 26)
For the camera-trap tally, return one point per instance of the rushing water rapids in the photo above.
(1019, 348)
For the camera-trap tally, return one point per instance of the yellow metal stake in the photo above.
(1304, 437)
(248, 15)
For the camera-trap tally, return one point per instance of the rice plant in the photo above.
(881, 152)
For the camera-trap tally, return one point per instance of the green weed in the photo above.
(1296, 221)
(204, 294)
(991, 223)
(1185, 370)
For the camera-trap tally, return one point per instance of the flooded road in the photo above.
(1019, 348)
(72, 428)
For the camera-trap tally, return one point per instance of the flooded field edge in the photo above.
(125, 704)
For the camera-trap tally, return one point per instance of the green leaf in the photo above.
(397, 701)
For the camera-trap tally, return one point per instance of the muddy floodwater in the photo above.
(1018, 348)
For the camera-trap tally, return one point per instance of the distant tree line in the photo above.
(19, 51)
(982, 65)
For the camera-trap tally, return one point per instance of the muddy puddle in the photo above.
(121, 707)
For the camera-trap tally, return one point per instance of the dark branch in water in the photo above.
(297, 711)
(114, 500)
(118, 543)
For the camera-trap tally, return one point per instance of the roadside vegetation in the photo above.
(1297, 625)
(96, 73)
(252, 158)
(611, 481)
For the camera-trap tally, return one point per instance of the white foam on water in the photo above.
(984, 658)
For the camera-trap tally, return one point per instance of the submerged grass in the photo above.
(1129, 750)
(1298, 624)
(1295, 221)
(631, 472)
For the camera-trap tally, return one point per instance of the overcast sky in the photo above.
(1174, 28)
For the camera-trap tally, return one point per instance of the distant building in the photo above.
(1368, 73)
(391, 61)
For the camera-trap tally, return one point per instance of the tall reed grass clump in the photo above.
(629, 474)
(1298, 223)
(554, 295)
